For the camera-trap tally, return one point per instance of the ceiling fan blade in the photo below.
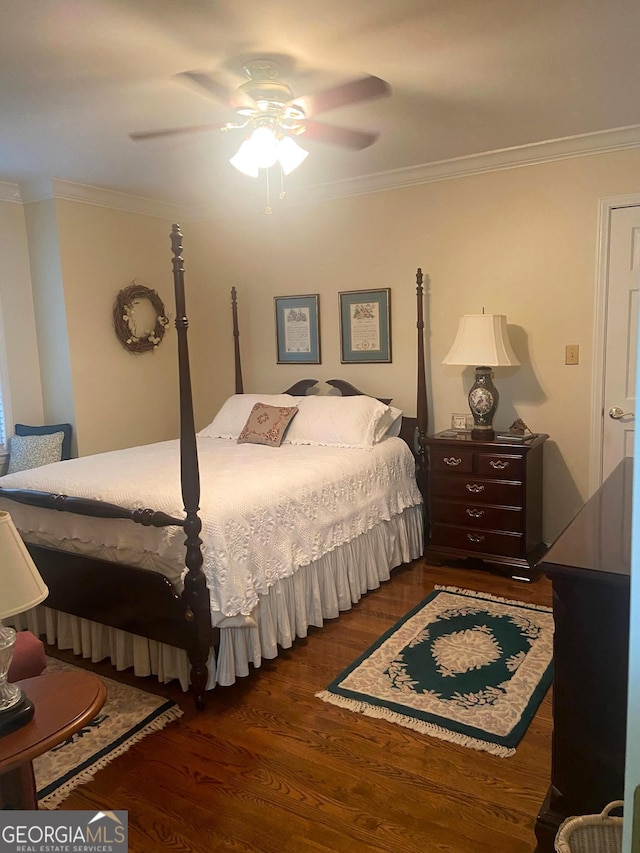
(174, 131)
(207, 82)
(348, 138)
(351, 92)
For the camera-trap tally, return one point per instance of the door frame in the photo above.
(605, 207)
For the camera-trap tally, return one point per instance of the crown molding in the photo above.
(531, 154)
(57, 188)
(602, 142)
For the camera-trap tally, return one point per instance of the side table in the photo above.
(64, 703)
(485, 501)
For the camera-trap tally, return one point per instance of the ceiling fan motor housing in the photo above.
(269, 93)
(264, 100)
(268, 90)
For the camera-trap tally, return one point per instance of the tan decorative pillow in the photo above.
(267, 424)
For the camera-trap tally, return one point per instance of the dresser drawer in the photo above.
(485, 501)
(500, 465)
(477, 541)
(478, 490)
(452, 459)
(510, 519)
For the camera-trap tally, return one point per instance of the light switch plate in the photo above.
(572, 354)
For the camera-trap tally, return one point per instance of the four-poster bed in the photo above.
(150, 590)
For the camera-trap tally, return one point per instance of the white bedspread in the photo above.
(265, 511)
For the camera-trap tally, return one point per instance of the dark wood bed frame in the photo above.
(144, 602)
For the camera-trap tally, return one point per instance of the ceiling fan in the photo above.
(267, 107)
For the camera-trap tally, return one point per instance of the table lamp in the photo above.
(483, 341)
(21, 588)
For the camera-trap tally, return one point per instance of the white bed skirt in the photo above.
(312, 594)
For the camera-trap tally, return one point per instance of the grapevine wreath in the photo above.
(124, 324)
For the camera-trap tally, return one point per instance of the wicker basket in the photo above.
(592, 833)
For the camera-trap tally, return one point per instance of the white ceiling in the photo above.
(467, 76)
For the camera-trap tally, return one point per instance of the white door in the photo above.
(621, 337)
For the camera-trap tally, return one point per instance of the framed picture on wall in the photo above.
(365, 326)
(298, 329)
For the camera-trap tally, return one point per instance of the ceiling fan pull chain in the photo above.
(268, 208)
(282, 190)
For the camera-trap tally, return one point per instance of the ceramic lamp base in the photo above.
(483, 402)
(483, 434)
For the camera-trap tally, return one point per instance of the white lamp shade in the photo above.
(290, 154)
(482, 340)
(244, 161)
(21, 586)
(263, 149)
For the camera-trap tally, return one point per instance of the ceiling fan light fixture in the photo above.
(290, 154)
(244, 160)
(264, 143)
(264, 149)
(260, 151)
(268, 107)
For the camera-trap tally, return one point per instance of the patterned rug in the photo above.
(461, 666)
(128, 715)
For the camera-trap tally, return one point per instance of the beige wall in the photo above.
(521, 242)
(64, 264)
(50, 315)
(121, 400)
(17, 323)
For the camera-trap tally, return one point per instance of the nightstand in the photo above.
(485, 501)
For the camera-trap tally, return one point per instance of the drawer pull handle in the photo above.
(475, 488)
(453, 461)
(475, 537)
(499, 463)
(475, 513)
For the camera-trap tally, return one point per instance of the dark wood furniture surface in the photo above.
(64, 703)
(485, 501)
(589, 567)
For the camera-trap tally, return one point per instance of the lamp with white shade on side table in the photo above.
(21, 589)
(482, 341)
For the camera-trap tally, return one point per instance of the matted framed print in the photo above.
(365, 325)
(298, 329)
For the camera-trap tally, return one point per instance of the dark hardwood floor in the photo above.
(270, 768)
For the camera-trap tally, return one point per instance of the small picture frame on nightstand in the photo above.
(461, 423)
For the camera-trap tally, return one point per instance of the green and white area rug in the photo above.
(128, 715)
(461, 666)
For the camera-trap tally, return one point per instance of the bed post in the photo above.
(422, 404)
(195, 594)
(236, 342)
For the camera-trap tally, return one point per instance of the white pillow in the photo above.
(389, 424)
(233, 415)
(336, 421)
